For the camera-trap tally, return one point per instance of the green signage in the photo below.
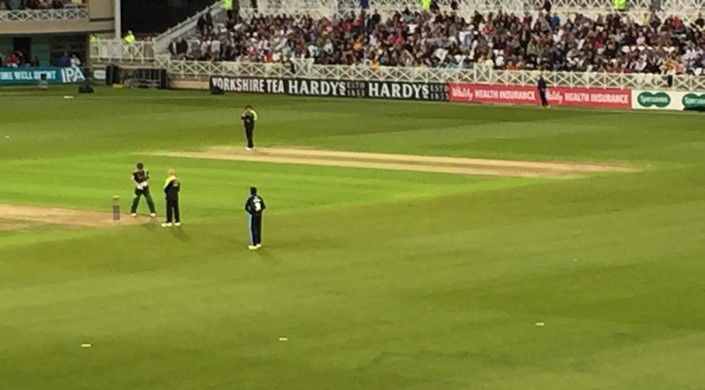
(658, 99)
(52, 75)
(693, 100)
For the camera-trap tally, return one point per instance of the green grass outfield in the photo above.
(379, 279)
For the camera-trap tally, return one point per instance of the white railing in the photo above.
(193, 70)
(142, 53)
(118, 52)
(185, 29)
(30, 15)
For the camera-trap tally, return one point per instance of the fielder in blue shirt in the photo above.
(254, 207)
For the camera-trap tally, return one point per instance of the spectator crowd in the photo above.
(17, 59)
(541, 40)
(15, 5)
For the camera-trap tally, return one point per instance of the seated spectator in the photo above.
(179, 49)
(15, 59)
(12, 5)
(699, 23)
(75, 62)
(65, 61)
(74, 4)
(607, 43)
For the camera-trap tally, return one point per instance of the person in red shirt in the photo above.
(13, 60)
(347, 26)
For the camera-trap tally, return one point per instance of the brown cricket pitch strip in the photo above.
(18, 217)
(22, 218)
(402, 162)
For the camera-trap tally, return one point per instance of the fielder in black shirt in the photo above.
(542, 86)
(249, 117)
(172, 186)
(255, 206)
(140, 178)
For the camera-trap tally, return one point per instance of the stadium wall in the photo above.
(195, 85)
(611, 98)
(600, 96)
(587, 97)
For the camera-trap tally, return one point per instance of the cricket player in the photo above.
(172, 186)
(542, 87)
(140, 179)
(254, 207)
(249, 117)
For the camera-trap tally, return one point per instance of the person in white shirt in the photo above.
(215, 49)
(691, 54)
(75, 62)
(205, 47)
(372, 41)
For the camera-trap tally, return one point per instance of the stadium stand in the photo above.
(613, 42)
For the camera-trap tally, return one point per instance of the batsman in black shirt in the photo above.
(255, 206)
(249, 117)
(172, 186)
(140, 178)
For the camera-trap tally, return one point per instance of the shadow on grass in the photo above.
(176, 231)
(152, 226)
(180, 234)
(267, 256)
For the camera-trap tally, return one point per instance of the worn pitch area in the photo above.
(19, 217)
(402, 162)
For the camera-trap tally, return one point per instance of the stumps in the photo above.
(116, 208)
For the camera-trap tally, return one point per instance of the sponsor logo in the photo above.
(461, 93)
(658, 99)
(248, 85)
(693, 100)
(524, 94)
(52, 75)
(317, 88)
(28, 75)
(333, 88)
(99, 74)
(407, 91)
(72, 75)
(557, 98)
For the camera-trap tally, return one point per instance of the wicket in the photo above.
(116, 208)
